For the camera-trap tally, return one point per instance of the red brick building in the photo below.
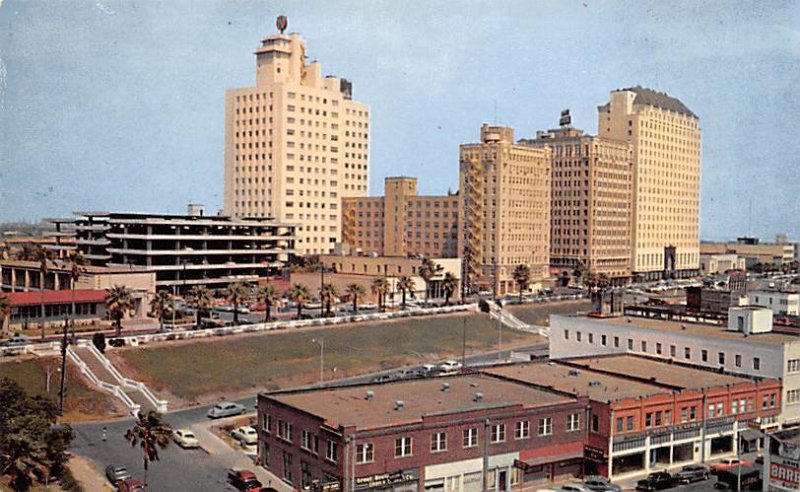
(427, 434)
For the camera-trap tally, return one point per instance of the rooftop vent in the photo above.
(445, 386)
(592, 384)
(399, 405)
(369, 395)
(478, 397)
(574, 372)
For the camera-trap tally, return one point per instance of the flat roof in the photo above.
(690, 329)
(66, 266)
(348, 406)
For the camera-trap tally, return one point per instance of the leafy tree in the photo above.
(327, 294)
(201, 300)
(522, 276)
(5, 313)
(99, 341)
(270, 295)
(405, 284)
(597, 281)
(300, 295)
(31, 444)
(355, 291)
(379, 288)
(151, 433)
(237, 293)
(578, 272)
(119, 300)
(449, 285)
(161, 306)
(427, 270)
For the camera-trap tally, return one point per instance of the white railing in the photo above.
(113, 389)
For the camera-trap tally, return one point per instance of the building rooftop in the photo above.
(689, 329)
(350, 406)
(55, 297)
(649, 97)
(66, 266)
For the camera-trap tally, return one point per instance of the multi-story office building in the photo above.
(590, 214)
(665, 138)
(183, 250)
(402, 222)
(504, 199)
(295, 144)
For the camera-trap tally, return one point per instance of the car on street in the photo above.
(223, 308)
(225, 409)
(244, 480)
(383, 378)
(574, 487)
(130, 485)
(728, 464)
(245, 434)
(116, 473)
(692, 473)
(185, 438)
(450, 366)
(601, 484)
(656, 481)
(16, 341)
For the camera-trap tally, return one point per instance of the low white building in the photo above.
(753, 350)
(713, 263)
(781, 303)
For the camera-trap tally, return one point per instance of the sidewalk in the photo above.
(87, 474)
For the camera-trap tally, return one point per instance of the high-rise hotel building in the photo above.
(295, 144)
(505, 210)
(665, 137)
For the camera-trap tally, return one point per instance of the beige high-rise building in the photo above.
(295, 144)
(665, 137)
(402, 222)
(505, 210)
(591, 201)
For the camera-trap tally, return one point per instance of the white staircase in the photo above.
(512, 321)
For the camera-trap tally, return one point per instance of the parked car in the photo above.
(225, 409)
(130, 485)
(426, 370)
(245, 434)
(656, 481)
(185, 438)
(574, 487)
(16, 341)
(728, 464)
(383, 378)
(242, 310)
(224, 308)
(692, 473)
(116, 473)
(244, 480)
(601, 484)
(450, 366)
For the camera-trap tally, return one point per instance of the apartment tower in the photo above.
(505, 210)
(665, 137)
(295, 144)
(402, 222)
(590, 206)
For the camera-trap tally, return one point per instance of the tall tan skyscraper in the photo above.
(505, 210)
(665, 137)
(295, 144)
(591, 202)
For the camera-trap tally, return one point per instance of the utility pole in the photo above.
(464, 344)
(321, 287)
(486, 456)
(321, 343)
(63, 366)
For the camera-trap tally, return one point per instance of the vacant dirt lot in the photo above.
(539, 314)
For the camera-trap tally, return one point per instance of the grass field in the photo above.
(203, 370)
(539, 314)
(80, 403)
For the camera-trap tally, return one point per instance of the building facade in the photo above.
(781, 303)
(590, 223)
(183, 250)
(752, 250)
(720, 263)
(504, 203)
(665, 138)
(401, 223)
(295, 144)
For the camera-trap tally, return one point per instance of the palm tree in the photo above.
(327, 294)
(151, 433)
(237, 293)
(270, 295)
(379, 288)
(597, 282)
(449, 285)
(355, 291)
(42, 256)
(5, 312)
(522, 276)
(161, 305)
(118, 301)
(300, 295)
(427, 270)
(405, 285)
(77, 267)
(26, 253)
(201, 300)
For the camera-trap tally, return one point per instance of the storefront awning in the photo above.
(546, 460)
(749, 434)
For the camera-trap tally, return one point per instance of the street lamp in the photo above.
(321, 343)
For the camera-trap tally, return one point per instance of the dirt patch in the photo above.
(539, 314)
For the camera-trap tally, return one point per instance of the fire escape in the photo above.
(474, 218)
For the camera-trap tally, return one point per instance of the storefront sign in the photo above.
(594, 454)
(784, 473)
(387, 479)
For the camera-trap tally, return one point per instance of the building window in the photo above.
(721, 357)
(305, 474)
(307, 440)
(737, 360)
(793, 396)
(499, 433)
(630, 344)
(644, 346)
(648, 419)
(523, 429)
(603, 340)
(620, 424)
(684, 415)
(402, 447)
(616, 342)
(687, 352)
(566, 334)
(285, 430)
(365, 453)
(629, 423)
(545, 426)
(704, 355)
(331, 451)
(578, 336)
(287, 466)
(658, 348)
(595, 423)
(438, 442)
(756, 363)
(672, 351)
(573, 422)
(470, 437)
(793, 365)
(266, 423)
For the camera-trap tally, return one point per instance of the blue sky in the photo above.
(118, 105)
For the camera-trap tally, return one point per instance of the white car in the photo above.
(574, 487)
(245, 434)
(185, 438)
(450, 366)
(225, 409)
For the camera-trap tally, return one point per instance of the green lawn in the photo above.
(202, 370)
(80, 403)
(539, 314)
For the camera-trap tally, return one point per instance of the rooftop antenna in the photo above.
(749, 217)
(281, 23)
(495, 111)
